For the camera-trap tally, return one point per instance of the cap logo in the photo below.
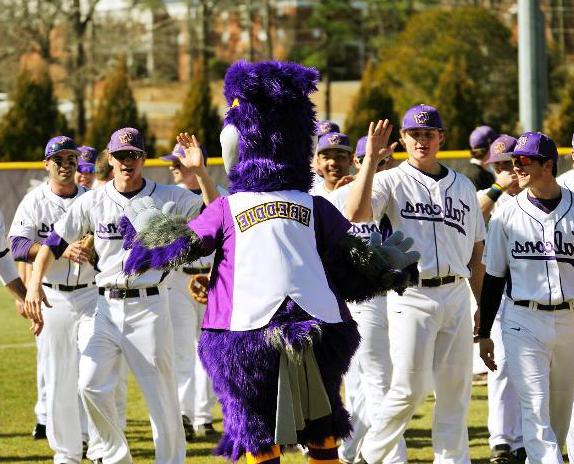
(422, 118)
(324, 126)
(498, 148)
(126, 137)
(334, 139)
(522, 141)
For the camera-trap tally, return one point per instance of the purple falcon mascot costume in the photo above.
(277, 335)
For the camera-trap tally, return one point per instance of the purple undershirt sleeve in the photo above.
(19, 247)
(57, 244)
(490, 298)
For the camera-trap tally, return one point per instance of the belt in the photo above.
(438, 281)
(196, 271)
(542, 307)
(123, 293)
(64, 288)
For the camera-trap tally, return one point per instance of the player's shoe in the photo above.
(519, 455)
(39, 432)
(500, 454)
(204, 430)
(188, 428)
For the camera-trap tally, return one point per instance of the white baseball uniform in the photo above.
(430, 328)
(132, 318)
(70, 290)
(369, 376)
(566, 180)
(534, 251)
(504, 417)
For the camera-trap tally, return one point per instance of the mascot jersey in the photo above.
(269, 247)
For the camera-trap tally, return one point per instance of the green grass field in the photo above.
(18, 395)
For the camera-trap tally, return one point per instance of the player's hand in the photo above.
(141, 211)
(377, 148)
(487, 352)
(20, 308)
(476, 325)
(344, 181)
(193, 154)
(33, 304)
(506, 179)
(395, 249)
(77, 252)
(198, 288)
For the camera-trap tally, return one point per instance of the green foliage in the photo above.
(560, 123)
(32, 119)
(117, 108)
(455, 96)
(412, 67)
(198, 115)
(373, 102)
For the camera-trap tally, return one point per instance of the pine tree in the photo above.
(32, 119)
(117, 108)
(372, 103)
(456, 100)
(560, 124)
(198, 115)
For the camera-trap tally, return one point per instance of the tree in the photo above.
(198, 114)
(32, 119)
(117, 108)
(560, 123)
(413, 65)
(456, 97)
(373, 102)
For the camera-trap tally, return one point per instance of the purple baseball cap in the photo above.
(58, 144)
(482, 137)
(176, 153)
(421, 117)
(535, 144)
(501, 149)
(334, 140)
(87, 156)
(326, 126)
(361, 146)
(126, 139)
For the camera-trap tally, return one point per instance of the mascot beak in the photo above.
(229, 139)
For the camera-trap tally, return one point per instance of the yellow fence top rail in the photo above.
(156, 162)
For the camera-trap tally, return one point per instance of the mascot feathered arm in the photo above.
(362, 270)
(157, 238)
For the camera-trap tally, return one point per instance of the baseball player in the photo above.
(194, 389)
(430, 327)
(334, 161)
(567, 179)
(70, 288)
(8, 273)
(529, 250)
(132, 317)
(323, 127)
(86, 172)
(479, 141)
(504, 417)
(369, 375)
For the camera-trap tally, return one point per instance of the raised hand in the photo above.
(377, 148)
(193, 155)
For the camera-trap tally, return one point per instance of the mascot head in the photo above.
(268, 134)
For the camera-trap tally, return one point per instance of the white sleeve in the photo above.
(188, 204)
(480, 230)
(24, 224)
(495, 256)
(380, 195)
(8, 271)
(76, 222)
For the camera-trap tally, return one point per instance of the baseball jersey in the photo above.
(99, 211)
(318, 189)
(269, 247)
(502, 199)
(533, 249)
(442, 217)
(34, 219)
(8, 271)
(566, 180)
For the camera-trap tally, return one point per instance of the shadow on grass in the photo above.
(29, 458)
(422, 438)
(15, 435)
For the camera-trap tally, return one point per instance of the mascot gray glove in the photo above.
(395, 249)
(142, 211)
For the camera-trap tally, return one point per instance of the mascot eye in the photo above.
(235, 103)
(229, 139)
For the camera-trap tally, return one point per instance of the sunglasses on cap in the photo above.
(83, 169)
(128, 155)
(522, 160)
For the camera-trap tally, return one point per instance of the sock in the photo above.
(271, 457)
(325, 453)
